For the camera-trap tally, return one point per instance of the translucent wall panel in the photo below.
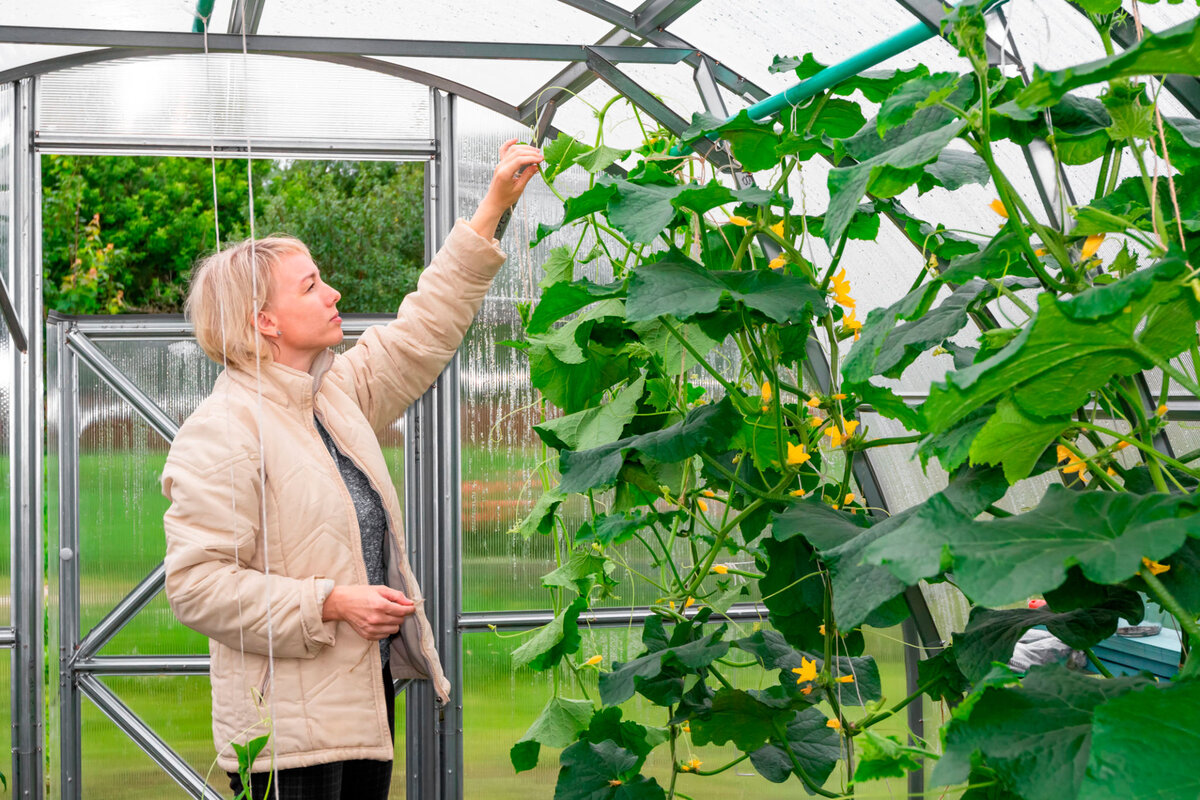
(6, 353)
(6, 198)
(228, 96)
(500, 704)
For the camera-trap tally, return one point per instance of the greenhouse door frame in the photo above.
(431, 497)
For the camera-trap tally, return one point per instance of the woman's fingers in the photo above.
(504, 147)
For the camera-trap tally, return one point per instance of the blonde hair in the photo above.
(228, 290)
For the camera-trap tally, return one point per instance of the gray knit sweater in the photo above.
(372, 520)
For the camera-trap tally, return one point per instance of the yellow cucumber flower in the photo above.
(777, 263)
(998, 207)
(813, 402)
(846, 679)
(777, 229)
(593, 661)
(806, 672)
(741, 222)
(1155, 567)
(720, 569)
(1090, 245)
(833, 723)
(796, 455)
(766, 392)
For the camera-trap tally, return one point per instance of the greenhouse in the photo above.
(802, 399)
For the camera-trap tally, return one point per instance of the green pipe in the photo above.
(203, 9)
(833, 75)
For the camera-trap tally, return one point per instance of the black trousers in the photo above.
(341, 780)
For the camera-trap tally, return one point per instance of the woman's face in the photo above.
(301, 315)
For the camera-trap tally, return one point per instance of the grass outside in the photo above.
(121, 511)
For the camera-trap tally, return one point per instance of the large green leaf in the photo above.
(601, 772)
(815, 745)
(992, 635)
(858, 589)
(774, 652)
(559, 267)
(581, 572)
(686, 650)
(999, 258)
(847, 185)
(587, 202)
(883, 757)
(753, 142)
(887, 347)
(914, 548)
(555, 639)
(1176, 50)
(1035, 736)
(1015, 440)
(914, 95)
(955, 169)
(1140, 743)
(1106, 533)
(558, 725)
(1053, 365)
(794, 595)
(737, 717)
(563, 298)
(593, 427)
(707, 427)
(679, 287)
(1105, 302)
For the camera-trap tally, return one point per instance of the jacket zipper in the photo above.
(391, 528)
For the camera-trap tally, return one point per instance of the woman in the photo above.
(285, 544)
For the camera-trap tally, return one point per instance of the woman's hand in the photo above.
(374, 612)
(518, 164)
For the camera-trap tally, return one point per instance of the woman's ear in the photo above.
(267, 325)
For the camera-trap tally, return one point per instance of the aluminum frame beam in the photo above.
(595, 618)
(176, 42)
(108, 372)
(27, 431)
(432, 498)
(248, 10)
(646, 22)
(145, 738)
(235, 147)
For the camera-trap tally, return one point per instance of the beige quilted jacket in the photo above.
(235, 540)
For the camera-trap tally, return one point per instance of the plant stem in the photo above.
(1097, 663)
(1167, 600)
(1139, 444)
(729, 387)
(797, 767)
(719, 770)
(867, 445)
(698, 577)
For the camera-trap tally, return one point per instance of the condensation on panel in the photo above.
(120, 509)
(500, 453)
(178, 709)
(500, 703)
(231, 98)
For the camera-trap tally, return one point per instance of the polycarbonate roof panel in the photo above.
(227, 95)
(133, 15)
(546, 21)
(510, 81)
(746, 36)
(17, 55)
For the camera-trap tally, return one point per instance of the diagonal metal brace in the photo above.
(12, 320)
(608, 72)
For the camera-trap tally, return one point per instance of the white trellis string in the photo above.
(258, 390)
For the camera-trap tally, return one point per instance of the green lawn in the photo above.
(121, 540)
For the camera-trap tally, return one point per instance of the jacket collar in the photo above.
(285, 385)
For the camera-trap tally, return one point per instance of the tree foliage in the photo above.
(122, 233)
